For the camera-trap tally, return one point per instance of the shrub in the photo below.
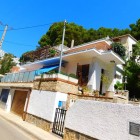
(119, 86)
(72, 75)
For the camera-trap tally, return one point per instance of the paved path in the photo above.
(29, 129)
(10, 132)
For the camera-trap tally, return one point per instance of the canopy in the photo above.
(43, 70)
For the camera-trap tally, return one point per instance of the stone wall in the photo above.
(39, 122)
(73, 135)
(55, 85)
(17, 85)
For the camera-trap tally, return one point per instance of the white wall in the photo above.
(59, 97)
(94, 75)
(44, 103)
(72, 65)
(102, 120)
(128, 43)
(9, 100)
(94, 71)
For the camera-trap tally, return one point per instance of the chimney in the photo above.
(72, 44)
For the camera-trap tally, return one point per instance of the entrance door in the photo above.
(82, 74)
(19, 102)
(101, 81)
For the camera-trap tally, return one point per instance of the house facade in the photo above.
(35, 98)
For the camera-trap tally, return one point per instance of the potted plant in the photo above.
(86, 90)
(106, 81)
(119, 86)
(96, 93)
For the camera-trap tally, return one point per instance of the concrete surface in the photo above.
(11, 132)
(35, 132)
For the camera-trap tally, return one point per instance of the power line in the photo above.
(28, 27)
(17, 43)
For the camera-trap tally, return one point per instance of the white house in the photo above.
(25, 96)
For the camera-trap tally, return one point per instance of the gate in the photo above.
(59, 120)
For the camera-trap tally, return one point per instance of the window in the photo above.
(4, 95)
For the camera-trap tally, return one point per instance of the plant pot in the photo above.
(96, 94)
(109, 94)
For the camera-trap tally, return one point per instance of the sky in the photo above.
(87, 13)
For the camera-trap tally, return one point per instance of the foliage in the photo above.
(54, 35)
(135, 29)
(25, 58)
(119, 49)
(72, 75)
(119, 86)
(136, 52)
(6, 63)
(51, 72)
(85, 89)
(77, 33)
(105, 79)
(52, 52)
(81, 35)
(132, 71)
(61, 72)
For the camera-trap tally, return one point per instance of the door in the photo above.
(82, 74)
(101, 81)
(19, 102)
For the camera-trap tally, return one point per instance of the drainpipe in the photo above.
(25, 113)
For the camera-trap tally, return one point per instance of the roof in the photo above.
(98, 45)
(106, 56)
(99, 48)
(126, 35)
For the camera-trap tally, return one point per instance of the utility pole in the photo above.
(3, 35)
(61, 53)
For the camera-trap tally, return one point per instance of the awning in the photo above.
(42, 63)
(47, 69)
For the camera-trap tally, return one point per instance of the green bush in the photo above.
(52, 52)
(119, 86)
(72, 75)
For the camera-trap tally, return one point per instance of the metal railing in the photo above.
(19, 77)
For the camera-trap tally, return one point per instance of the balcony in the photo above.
(19, 77)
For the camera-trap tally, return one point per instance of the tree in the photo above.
(135, 29)
(119, 49)
(132, 71)
(136, 52)
(77, 33)
(6, 63)
(25, 58)
(54, 35)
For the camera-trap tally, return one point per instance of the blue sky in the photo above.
(88, 13)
